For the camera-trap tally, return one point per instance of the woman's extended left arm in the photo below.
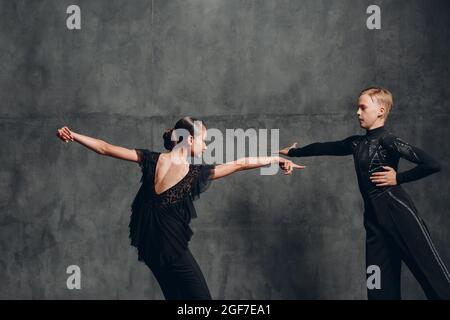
(223, 170)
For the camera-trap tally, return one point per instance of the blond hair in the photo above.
(380, 95)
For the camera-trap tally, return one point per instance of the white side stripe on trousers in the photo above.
(427, 237)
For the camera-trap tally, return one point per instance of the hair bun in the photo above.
(169, 131)
(167, 136)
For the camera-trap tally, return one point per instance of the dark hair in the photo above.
(186, 123)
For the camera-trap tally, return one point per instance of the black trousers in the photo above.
(395, 232)
(182, 279)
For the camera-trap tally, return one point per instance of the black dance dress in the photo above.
(159, 228)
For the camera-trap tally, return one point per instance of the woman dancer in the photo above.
(163, 206)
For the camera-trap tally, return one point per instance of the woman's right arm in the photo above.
(99, 146)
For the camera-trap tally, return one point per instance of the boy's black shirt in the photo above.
(372, 151)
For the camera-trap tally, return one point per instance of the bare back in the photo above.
(168, 173)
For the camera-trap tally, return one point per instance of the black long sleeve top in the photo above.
(372, 151)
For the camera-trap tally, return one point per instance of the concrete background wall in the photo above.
(137, 66)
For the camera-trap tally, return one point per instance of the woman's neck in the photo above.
(179, 155)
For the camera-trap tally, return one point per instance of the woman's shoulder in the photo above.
(146, 154)
(147, 160)
(202, 169)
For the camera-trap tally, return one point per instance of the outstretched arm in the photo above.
(223, 170)
(334, 148)
(99, 146)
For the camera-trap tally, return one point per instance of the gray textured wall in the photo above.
(137, 66)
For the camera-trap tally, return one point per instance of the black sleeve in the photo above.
(202, 181)
(144, 160)
(336, 148)
(426, 165)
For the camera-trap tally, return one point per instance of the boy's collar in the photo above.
(375, 132)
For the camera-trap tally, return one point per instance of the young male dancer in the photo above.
(394, 229)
